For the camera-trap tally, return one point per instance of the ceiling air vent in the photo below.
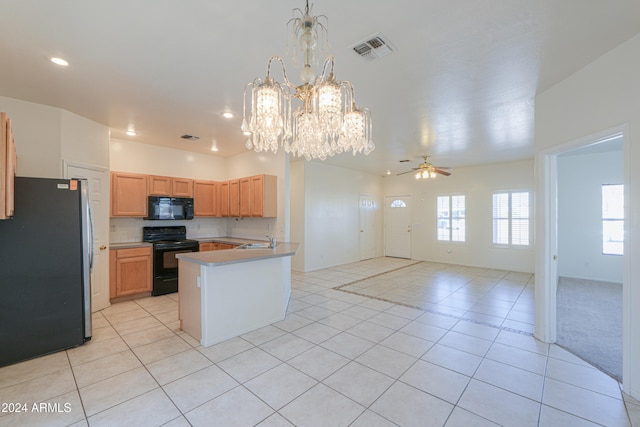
(190, 137)
(373, 47)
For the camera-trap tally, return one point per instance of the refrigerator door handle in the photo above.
(92, 238)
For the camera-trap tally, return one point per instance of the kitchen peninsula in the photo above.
(224, 294)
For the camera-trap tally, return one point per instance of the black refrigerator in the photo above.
(45, 269)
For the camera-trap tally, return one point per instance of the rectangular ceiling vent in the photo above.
(190, 137)
(373, 47)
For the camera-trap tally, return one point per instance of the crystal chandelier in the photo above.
(327, 121)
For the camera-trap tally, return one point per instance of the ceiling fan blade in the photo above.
(442, 167)
(404, 173)
(441, 172)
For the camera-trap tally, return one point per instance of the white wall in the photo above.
(331, 214)
(136, 157)
(297, 192)
(580, 180)
(46, 136)
(477, 184)
(604, 95)
(84, 141)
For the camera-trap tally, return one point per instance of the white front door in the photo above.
(397, 226)
(367, 227)
(98, 180)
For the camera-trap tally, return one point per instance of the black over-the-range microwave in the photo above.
(170, 207)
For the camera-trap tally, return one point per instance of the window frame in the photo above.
(510, 219)
(611, 220)
(450, 218)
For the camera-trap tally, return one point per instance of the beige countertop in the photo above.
(234, 256)
(129, 245)
(230, 240)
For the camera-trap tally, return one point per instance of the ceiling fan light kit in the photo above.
(426, 170)
(327, 123)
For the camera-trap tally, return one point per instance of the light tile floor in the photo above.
(382, 342)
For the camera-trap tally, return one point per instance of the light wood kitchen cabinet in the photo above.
(245, 197)
(7, 167)
(215, 246)
(207, 246)
(130, 271)
(255, 196)
(182, 187)
(224, 199)
(128, 194)
(205, 198)
(170, 186)
(264, 196)
(234, 197)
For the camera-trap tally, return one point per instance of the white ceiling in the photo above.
(460, 86)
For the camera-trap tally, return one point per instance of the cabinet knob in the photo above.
(103, 247)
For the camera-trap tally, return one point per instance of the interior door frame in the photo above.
(546, 269)
(107, 196)
(362, 226)
(386, 222)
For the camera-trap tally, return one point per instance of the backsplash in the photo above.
(124, 230)
(253, 228)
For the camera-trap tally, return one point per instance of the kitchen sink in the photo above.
(254, 246)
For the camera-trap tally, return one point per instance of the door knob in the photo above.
(103, 247)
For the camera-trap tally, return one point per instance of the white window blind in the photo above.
(458, 225)
(451, 213)
(511, 224)
(612, 219)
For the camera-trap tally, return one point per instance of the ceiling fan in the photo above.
(427, 170)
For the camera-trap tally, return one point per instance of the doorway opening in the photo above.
(367, 226)
(590, 233)
(397, 226)
(548, 261)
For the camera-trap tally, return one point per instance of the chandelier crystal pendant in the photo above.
(327, 121)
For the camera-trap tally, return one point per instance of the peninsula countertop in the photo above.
(234, 256)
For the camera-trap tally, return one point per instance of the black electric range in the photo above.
(167, 243)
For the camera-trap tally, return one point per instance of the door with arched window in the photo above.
(397, 226)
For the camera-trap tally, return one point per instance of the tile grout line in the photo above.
(428, 310)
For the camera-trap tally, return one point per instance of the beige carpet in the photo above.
(589, 319)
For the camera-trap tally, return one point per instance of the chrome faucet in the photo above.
(272, 242)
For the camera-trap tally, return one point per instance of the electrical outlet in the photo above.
(113, 227)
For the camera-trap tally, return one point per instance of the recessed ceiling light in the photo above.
(388, 171)
(227, 115)
(214, 145)
(59, 61)
(131, 131)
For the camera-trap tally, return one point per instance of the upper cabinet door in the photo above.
(245, 197)
(264, 196)
(205, 198)
(169, 186)
(224, 199)
(7, 167)
(182, 187)
(128, 194)
(234, 197)
(160, 185)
